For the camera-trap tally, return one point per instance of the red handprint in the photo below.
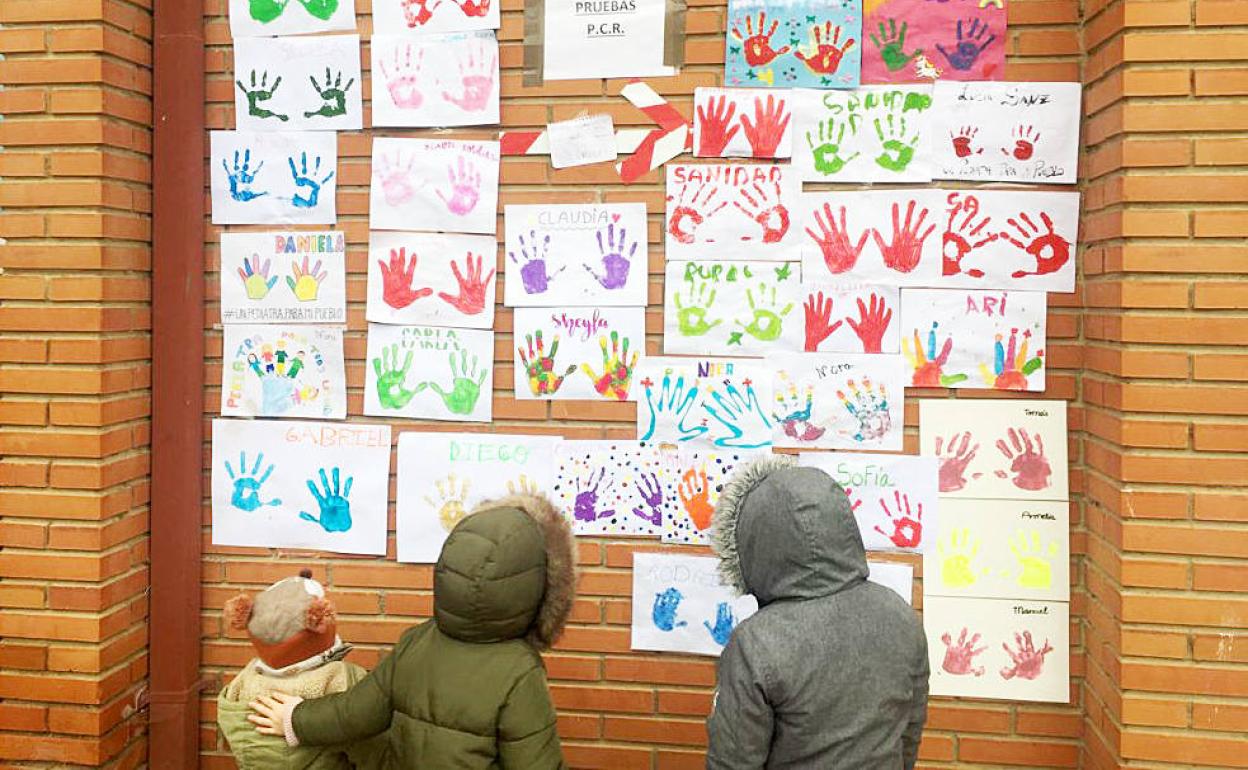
(766, 209)
(770, 122)
(854, 502)
(872, 323)
(825, 57)
(962, 142)
(1027, 461)
(396, 280)
(903, 252)
(818, 318)
(1025, 140)
(959, 658)
(907, 527)
(472, 8)
(1050, 250)
(471, 297)
(1028, 661)
(962, 238)
(417, 13)
(757, 45)
(953, 460)
(713, 122)
(840, 254)
(686, 216)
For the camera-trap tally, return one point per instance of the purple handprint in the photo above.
(651, 492)
(465, 187)
(585, 507)
(968, 47)
(614, 263)
(533, 269)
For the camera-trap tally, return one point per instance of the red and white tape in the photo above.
(516, 143)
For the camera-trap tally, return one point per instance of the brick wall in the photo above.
(74, 200)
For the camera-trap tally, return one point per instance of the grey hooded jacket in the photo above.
(831, 673)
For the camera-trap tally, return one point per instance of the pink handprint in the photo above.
(465, 187)
(1030, 467)
(959, 658)
(477, 74)
(1028, 661)
(403, 77)
(953, 460)
(397, 184)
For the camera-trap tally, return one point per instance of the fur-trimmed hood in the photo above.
(507, 571)
(786, 532)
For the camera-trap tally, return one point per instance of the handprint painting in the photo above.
(298, 83)
(793, 44)
(266, 178)
(577, 352)
(837, 401)
(435, 80)
(910, 41)
(713, 402)
(698, 479)
(851, 318)
(742, 123)
(418, 18)
(1004, 649)
(737, 309)
(438, 185)
(884, 237)
(564, 254)
(283, 277)
(991, 340)
(268, 18)
(440, 279)
(308, 485)
(872, 134)
(273, 370)
(444, 476)
(720, 211)
(428, 372)
(681, 605)
(614, 487)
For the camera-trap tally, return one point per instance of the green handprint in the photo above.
(265, 11)
(897, 150)
(766, 324)
(334, 94)
(261, 93)
(955, 564)
(691, 313)
(1035, 560)
(390, 376)
(321, 9)
(827, 154)
(892, 46)
(465, 384)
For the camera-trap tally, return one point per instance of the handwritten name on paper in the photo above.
(339, 436)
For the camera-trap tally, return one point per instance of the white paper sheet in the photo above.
(566, 254)
(1007, 132)
(966, 338)
(582, 141)
(283, 277)
(851, 318)
(732, 308)
(837, 401)
(899, 577)
(444, 476)
(420, 17)
(265, 18)
(997, 449)
(264, 178)
(1012, 649)
(894, 497)
(732, 211)
(434, 184)
(279, 370)
(607, 39)
(888, 237)
(577, 353)
(742, 123)
(321, 486)
(717, 402)
(431, 373)
(680, 604)
(435, 80)
(439, 279)
(872, 134)
(699, 479)
(298, 83)
(614, 487)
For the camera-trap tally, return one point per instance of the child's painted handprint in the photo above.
(1035, 561)
(959, 657)
(963, 237)
(967, 47)
(397, 183)
(768, 128)
(692, 210)
(585, 504)
(335, 510)
(763, 207)
(927, 363)
(614, 262)
(471, 297)
(321, 9)
(714, 120)
(1025, 140)
(840, 253)
(477, 74)
(1010, 365)
(1050, 250)
(721, 632)
(390, 378)
(957, 568)
(242, 177)
(397, 277)
(674, 405)
(450, 503)
(417, 13)
(664, 612)
(1027, 461)
(872, 323)
(757, 45)
(307, 181)
(691, 312)
(522, 485)
(1028, 661)
(651, 493)
(905, 249)
(305, 283)
(258, 93)
(963, 142)
(695, 496)
(265, 11)
(333, 95)
(246, 493)
(896, 144)
(819, 324)
(892, 46)
(953, 460)
(793, 412)
(826, 50)
(907, 526)
(465, 189)
(617, 369)
(473, 8)
(767, 319)
(534, 275)
(869, 407)
(741, 414)
(402, 77)
(465, 384)
(256, 280)
(540, 367)
(826, 155)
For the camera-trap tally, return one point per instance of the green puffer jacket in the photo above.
(467, 690)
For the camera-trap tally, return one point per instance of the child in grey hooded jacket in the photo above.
(831, 673)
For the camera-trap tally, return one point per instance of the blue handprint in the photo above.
(335, 510)
(664, 612)
(304, 180)
(724, 623)
(242, 176)
(733, 411)
(246, 495)
(967, 48)
(673, 400)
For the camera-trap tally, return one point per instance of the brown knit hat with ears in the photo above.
(289, 621)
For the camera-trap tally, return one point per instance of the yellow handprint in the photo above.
(1035, 560)
(522, 486)
(956, 569)
(305, 283)
(450, 502)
